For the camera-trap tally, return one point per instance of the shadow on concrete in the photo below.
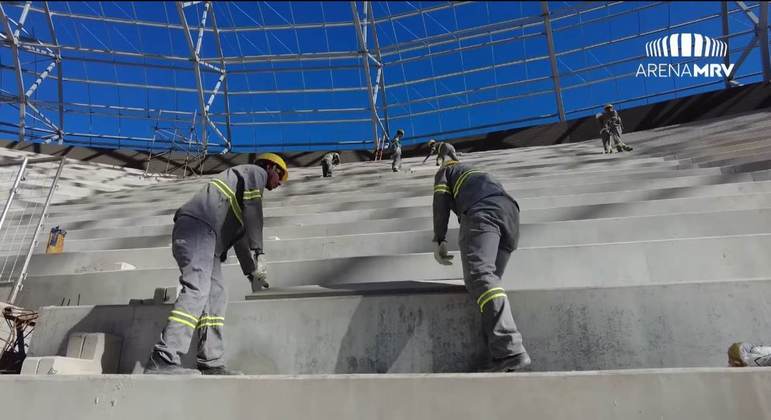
(382, 328)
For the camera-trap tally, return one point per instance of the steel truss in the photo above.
(215, 127)
(30, 45)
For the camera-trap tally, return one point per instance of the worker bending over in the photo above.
(489, 232)
(328, 164)
(226, 213)
(442, 150)
(611, 128)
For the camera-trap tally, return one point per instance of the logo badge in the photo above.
(685, 45)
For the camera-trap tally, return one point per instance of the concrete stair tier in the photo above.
(704, 394)
(78, 179)
(655, 259)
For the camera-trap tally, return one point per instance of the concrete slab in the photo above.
(59, 365)
(688, 394)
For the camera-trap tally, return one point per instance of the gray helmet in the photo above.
(608, 106)
(400, 132)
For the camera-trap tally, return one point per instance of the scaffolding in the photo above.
(30, 184)
(285, 76)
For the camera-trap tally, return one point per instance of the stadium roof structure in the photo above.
(215, 77)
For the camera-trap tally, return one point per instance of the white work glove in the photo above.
(259, 276)
(441, 255)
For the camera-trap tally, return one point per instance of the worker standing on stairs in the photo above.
(442, 150)
(611, 128)
(489, 232)
(328, 164)
(396, 151)
(226, 213)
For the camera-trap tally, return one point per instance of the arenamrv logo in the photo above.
(685, 45)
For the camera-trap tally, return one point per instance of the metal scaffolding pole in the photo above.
(726, 31)
(59, 72)
(365, 60)
(763, 36)
(194, 57)
(14, 41)
(553, 59)
(753, 42)
(226, 98)
(381, 78)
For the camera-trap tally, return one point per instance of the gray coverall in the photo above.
(396, 154)
(226, 213)
(489, 232)
(611, 129)
(328, 164)
(443, 151)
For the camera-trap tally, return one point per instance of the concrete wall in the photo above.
(650, 326)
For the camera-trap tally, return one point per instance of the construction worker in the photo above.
(489, 232)
(396, 151)
(442, 150)
(746, 354)
(328, 163)
(226, 213)
(611, 128)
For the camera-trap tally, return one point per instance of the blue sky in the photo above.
(499, 80)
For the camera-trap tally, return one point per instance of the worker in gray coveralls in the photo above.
(442, 150)
(328, 164)
(396, 151)
(611, 128)
(489, 232)
(226, 213)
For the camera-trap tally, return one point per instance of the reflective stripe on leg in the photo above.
(185, 315)
(489, 295)
(182, 321)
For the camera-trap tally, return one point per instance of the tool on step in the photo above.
(56, 241)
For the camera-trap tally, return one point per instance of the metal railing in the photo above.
(31, 183)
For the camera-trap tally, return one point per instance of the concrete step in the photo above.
(700, 393)
(419, 197)
(520, 190)
(565, 329)
(335, 201)
(129, 204)
(354, 186)
(126, 234)
(579, 266)
(392, 219)
(623, 229)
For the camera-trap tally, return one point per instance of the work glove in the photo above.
(441, 255)
(259, 276)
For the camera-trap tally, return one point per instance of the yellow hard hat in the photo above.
(278, 160)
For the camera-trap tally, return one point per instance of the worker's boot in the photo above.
(510, 364)
(218, 370)
(156, 365)
(627, 148)
(746, 354)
